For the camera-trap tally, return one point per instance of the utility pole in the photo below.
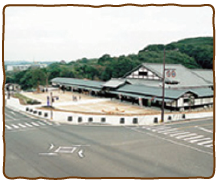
(163, 89)
(51, 100)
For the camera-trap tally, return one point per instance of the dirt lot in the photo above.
(89, 104)
(62, 97)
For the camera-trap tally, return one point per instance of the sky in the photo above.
(71, 33)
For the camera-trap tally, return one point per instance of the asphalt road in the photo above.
(38, 148)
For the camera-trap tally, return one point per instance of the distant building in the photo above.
(184, 88)
(25, 67)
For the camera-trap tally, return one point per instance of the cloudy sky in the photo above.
(70, 33)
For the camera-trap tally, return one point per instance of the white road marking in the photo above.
(80, 153)
(49, 154)
(195, 137)
(66, 149)
(28, 125)
(172, 141)
(15, 126)
(196, 140)
(205, 142)
(168, 131)
(160, 128)
(35, 124)
(208, 145)
(184, 136)
(179, 133)
(204, 129)
(52, 146)
(23, 126)
(8, 127)
(40, 123)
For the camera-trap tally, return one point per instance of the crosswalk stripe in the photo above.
(195, 137)
(8, 127)
(167, 131)
(15, 126)
(196, 140)
(35, 124)
(27, 124)
(21, 125)
(40, 123)
(205, 142)
(184, 136)
(208, 145)
(178, 133)
(160, 128)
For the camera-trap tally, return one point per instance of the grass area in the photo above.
(25, 100)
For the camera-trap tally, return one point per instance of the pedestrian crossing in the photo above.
(190, 137)
(26, 125)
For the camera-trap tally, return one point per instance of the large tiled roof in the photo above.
(206, 74)
(186, 77)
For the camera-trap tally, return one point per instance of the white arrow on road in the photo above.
(80, 153)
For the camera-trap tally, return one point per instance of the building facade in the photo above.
(184, 88)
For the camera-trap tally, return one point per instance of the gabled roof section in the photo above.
(145, 66)
(115, 83)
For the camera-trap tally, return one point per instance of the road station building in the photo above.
(184, 88)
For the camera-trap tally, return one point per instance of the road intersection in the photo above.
(36, 148)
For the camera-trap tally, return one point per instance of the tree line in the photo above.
(192, 53)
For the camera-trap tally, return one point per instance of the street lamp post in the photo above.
(163, 89)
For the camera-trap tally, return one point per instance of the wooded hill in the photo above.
(190, 52)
